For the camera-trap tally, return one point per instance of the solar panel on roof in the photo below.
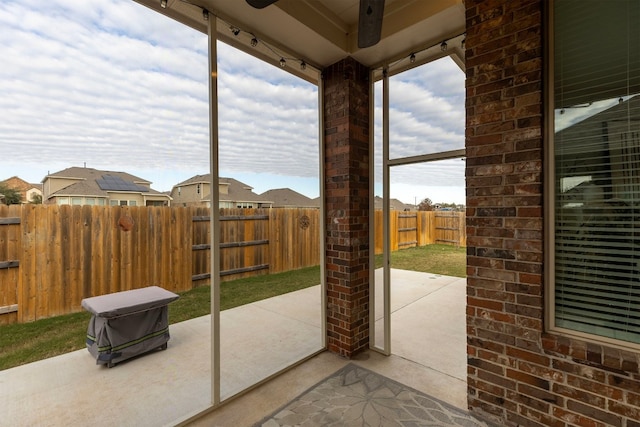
(116, 183)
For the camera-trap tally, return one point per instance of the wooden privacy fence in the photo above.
(51, 257)
(63, 254)
(256, 241)
(410, 229)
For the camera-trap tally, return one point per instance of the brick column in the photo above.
(346, 163)
(508, 373)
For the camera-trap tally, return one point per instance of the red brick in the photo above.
(347, 206)
(594, 413)
(487, 387)
(520, 354)
(486, 366)
(571, 418)
(580, 395)
(521, 421)
(528, 400)
(626, 383)
(594, 386)
(532, 415)
(528, 379)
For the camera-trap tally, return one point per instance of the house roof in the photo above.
(76, 172)
(286, 197)
(99, 183)
(21, 184)
(82, 188)
(322, 32)
(394, 204)
(237, 191)
(195, 180)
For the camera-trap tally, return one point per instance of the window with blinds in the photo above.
(596, 146)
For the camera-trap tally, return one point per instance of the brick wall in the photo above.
(346, 162)
(517, 374)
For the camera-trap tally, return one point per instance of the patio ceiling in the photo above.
(322, 32)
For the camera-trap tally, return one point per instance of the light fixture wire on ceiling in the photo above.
(254, 42)
(412, 57)
(282, 59)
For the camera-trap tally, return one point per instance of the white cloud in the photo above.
(441, 181)
(77, 93)
(120, 87)
(426, 116)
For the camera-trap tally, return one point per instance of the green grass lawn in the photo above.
(438, 259)
(22, 343)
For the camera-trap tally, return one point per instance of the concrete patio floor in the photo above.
(168, 387)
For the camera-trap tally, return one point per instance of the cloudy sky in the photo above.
(115, 86)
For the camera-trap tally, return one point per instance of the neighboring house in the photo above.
(287, 198)
(196, 191)
(28, 191)
(191, 192)
(87, 186)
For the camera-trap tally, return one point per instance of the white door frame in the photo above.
(387, 164)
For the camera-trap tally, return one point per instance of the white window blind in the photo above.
(596, 95)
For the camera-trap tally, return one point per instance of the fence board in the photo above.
(182, 253)
(200, 236)
(27, 262)
(71, 231)
(7, 221)
(47, 282)
(108, 254)
(139, 238)
(51, 299)
(9, 264)
(162, 252)
(128, 244)
(294, 241)
(377, 232)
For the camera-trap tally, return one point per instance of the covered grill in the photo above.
(129, 323)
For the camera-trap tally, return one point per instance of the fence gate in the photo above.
(10, 235)
(448, 227)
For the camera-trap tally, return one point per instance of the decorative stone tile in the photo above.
(355, 396)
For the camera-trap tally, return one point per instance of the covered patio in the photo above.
(525, 364)
(170, 387)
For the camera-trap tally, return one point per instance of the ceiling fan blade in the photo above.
(261, 4)
(369, 22)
